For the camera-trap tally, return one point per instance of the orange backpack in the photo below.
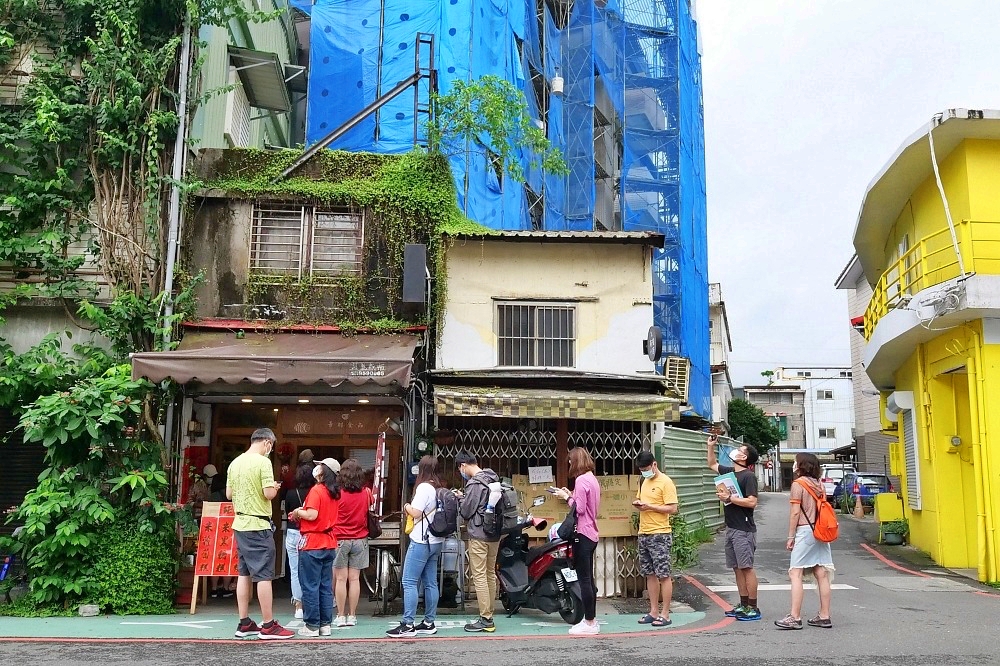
(825, 527)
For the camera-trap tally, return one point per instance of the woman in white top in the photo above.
(810, 557)
(422, 555)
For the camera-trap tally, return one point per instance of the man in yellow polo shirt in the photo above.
(251, 486)
(656, 501)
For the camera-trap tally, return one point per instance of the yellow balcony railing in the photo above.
(931, 261)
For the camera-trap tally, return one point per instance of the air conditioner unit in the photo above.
(677, 371)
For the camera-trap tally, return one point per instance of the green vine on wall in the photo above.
(407, 198)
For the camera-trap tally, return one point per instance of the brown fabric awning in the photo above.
(282, 358)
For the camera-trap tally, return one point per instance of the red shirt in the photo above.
(318, 534)
(353, 522)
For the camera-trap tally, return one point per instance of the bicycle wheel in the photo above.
(371, 575)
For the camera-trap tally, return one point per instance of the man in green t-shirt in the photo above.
(251, 486)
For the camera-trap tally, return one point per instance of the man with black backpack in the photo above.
(484, 542)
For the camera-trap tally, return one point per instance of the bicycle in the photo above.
(384, 573)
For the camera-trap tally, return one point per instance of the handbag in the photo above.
(374, 525)
(567, 529)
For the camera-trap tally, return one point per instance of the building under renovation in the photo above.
(616, 86)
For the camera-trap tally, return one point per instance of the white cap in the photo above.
(210, 470)
(329, 462)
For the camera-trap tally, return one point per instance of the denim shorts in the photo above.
(351, 554)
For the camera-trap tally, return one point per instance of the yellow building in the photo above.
(928, 241)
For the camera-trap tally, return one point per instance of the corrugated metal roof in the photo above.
(628, 237)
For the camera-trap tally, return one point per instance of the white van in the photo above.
(833, 474)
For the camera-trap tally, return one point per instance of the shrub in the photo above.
(686, 539)
(134, 571)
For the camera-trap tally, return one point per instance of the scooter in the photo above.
(542, 577)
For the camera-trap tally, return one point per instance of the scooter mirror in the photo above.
(538, 501)
(541, 524)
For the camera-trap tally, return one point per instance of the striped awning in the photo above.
(554, 404)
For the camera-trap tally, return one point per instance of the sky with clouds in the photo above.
(805, 101)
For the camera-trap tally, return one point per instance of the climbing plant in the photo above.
(86, 142)
(490, 112)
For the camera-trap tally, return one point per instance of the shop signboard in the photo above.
(378, 484)
(217, 555)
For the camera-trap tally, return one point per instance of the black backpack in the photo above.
(445, 520)
(504, 514)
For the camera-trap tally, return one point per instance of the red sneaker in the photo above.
(274, 631)
(247, 629)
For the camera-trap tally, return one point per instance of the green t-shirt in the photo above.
(248, 475)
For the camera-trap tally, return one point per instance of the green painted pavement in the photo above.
(216, 626)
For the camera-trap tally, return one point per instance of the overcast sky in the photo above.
(805, 100)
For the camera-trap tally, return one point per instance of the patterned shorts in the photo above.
(654, 554)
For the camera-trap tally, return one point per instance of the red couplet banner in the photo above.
(216, 542)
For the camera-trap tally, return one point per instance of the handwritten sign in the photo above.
(614, 514)
(539, 475)
(217, 555)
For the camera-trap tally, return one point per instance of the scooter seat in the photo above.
(538, 551)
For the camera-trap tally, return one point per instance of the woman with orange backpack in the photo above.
(811, 556)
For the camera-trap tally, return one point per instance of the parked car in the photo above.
(861, 483)
(832, 474)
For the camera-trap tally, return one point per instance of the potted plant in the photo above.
(894, 531)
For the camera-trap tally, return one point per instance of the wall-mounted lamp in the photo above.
(195, 428)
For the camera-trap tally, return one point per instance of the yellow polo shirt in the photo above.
(659, 491)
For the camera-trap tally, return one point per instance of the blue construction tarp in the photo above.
(628, 119)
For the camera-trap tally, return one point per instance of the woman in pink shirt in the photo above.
(586, 498)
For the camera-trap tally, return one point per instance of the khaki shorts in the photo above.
(351, 554)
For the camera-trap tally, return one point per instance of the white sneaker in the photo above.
(584, 628)
(352, 620)
(298, 613)
(307, 632)
(325, 630)
(341, 621)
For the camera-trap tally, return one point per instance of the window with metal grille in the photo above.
(824, 394)
(303, 241)
(536, 335)
(828, 433)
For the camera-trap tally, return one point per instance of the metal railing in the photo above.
(932, 260)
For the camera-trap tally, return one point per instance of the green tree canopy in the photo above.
(748, 421)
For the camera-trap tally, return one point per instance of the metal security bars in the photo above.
(301, 241)
(536, 335)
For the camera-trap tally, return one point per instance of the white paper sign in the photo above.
(539, 475)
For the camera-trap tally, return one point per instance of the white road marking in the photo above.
(778, 587)
(193, 624)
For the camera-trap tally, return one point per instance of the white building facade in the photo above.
(721, 344)
(828, 403)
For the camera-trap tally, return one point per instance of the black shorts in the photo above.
(256, 554)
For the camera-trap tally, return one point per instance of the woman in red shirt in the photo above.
(318, 549)
(352, 540)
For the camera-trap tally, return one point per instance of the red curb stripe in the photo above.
(885, 560)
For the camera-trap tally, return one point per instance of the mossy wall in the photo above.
(405, 199)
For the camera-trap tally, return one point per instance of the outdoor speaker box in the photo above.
(415, 273)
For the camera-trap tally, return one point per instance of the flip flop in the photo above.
(647, 619)
(661, 622)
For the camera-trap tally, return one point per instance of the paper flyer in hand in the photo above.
(728, 481)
